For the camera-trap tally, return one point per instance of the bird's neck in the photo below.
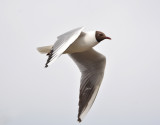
(90, 35)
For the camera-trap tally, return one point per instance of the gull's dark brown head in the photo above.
(101, 36)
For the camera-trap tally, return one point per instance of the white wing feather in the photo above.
(91, 65)
(63, 42)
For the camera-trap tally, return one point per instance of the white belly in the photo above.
(84, 42)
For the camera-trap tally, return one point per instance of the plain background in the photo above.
(33, 95)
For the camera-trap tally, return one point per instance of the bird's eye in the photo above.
(100, 34)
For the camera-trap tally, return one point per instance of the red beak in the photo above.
(108, 38)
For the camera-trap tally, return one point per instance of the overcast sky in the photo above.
(33, 95)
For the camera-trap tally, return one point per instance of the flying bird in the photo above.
(79, 45)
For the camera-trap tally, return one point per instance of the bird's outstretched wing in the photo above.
(63, 42)
(91, 65)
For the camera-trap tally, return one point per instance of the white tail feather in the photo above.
(45, 49)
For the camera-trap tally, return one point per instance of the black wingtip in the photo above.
(49, 58)
(79, 120)
(46, 65)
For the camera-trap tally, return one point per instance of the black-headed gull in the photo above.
(79, 45)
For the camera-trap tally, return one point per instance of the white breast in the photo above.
(84, 42)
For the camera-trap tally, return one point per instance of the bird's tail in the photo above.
(44, 49)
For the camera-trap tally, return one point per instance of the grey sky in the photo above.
(32, 95)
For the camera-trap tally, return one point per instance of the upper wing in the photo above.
(63, 42)
(91, 65)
